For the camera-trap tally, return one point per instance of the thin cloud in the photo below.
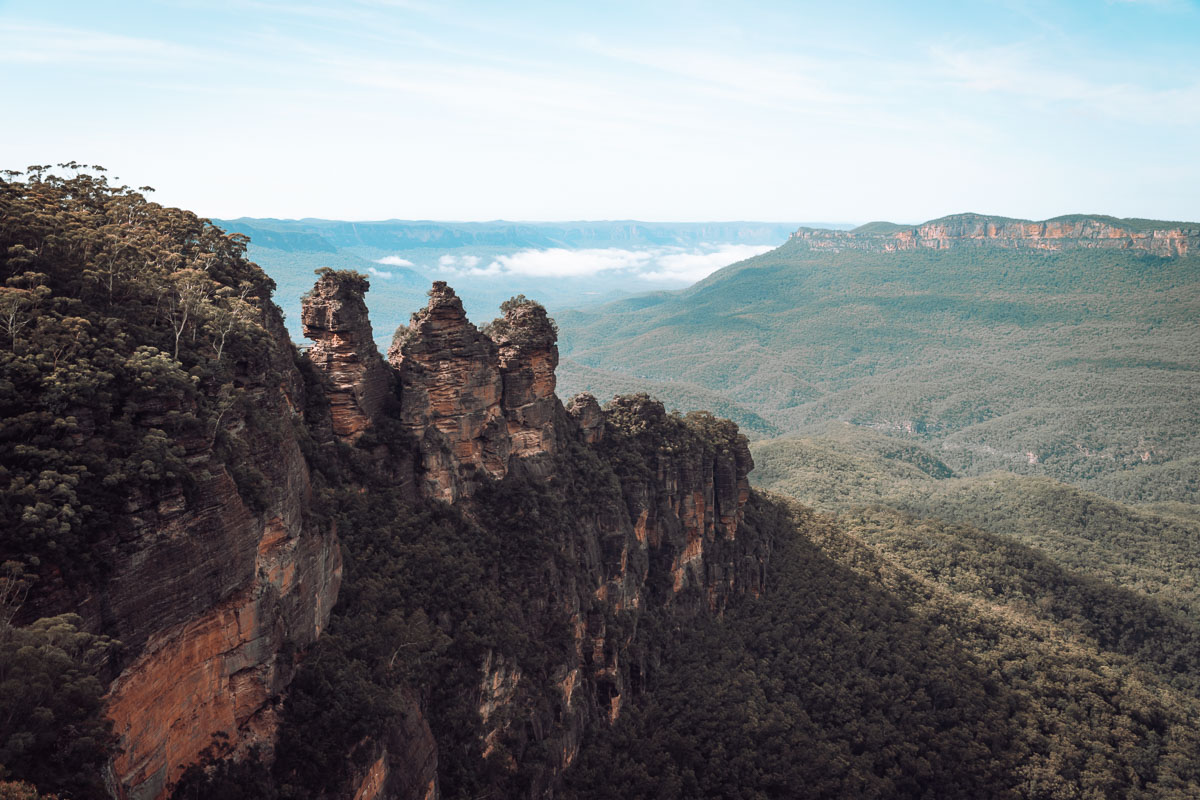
(449, 263)
(1012, 71)
(378, 273)
(691, 267)
(664, 265)
(394, 261)
(39, 44)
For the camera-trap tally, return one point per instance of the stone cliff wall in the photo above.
(214, 597)
(667, 544)
(450, 397)
(975, 230)
(335, 318)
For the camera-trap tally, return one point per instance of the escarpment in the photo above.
(155, 484)
(977, 230)
(216, 592)
(607, 515)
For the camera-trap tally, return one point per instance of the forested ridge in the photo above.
(130, 332)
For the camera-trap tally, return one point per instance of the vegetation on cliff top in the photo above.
(128, 332)
(129, 335)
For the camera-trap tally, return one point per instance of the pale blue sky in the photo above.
(845, 111)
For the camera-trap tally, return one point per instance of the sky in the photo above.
(405, 109)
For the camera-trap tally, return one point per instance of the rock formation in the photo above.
(527, 342)
(335, 318)
(481, 406)
(450, 397)
(586, 412)
(219, 586)
(976, 230)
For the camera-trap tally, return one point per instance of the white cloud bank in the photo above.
(694, 266)
(678, 265)
(394, 261)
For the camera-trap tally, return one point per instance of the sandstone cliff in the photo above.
(660, 534)
(335, 318)
(976, 230)
(178, 477)
(213, 598)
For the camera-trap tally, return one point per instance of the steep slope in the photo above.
(505, 594)
(152, 477)
(1069, 356)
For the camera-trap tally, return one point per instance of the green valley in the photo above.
(1077, 364)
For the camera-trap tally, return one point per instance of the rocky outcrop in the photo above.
(976, 230)
(588, 416)
(527, 342)
(478, 405)
(335, 318)
(216, 595)
(407, 764)
(450, 393)
(687, 512)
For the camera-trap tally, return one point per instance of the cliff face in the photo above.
(450, 397)
(526, 339)
(211, 596)
(666, 544)
(335, 318)
(175, 475)
(975, 230)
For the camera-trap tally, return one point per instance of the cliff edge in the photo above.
(1166, 239)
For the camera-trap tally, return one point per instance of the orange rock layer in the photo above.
(975, 230)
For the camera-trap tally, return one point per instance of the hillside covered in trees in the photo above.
(1078, 365)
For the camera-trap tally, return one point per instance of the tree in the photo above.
(184, 294)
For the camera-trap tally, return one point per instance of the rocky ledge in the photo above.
(1167, 239)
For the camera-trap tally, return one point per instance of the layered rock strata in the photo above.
(975, 230)
(214, 597)
(335, 319)
(450, 393)
(526, 339)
